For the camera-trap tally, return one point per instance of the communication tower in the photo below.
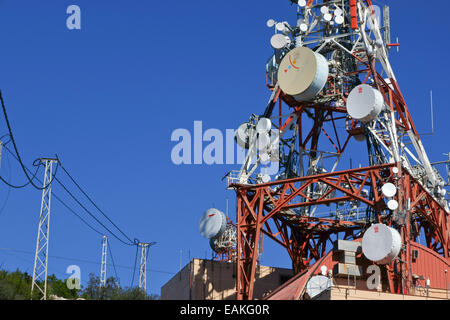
(332, 85)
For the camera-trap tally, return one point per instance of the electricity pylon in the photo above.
(103, 266)
(41, 257)
(143, 264)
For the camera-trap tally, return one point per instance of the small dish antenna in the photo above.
(280, 26)
(301, 3)
(303, 27)
(327, 17)
(339, 19)
(324, 10)
(266, 178)
(389, 190)
(264, 125)
(338, 11)
(279, 41)
(392, 204)
(270, 23)
(323, 270)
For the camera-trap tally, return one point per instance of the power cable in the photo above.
(95, 205)
(90, 213)
(134, 269)
(76, 214)
(9, 189)
(59, 199)
(79, 260)
(112, 259)
(15, 146)
(71, 210)
(10, 184)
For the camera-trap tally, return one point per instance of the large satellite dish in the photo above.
(212, 224)
(303, 73)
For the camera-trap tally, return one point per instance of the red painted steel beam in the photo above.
(353, 14)
(305, 238)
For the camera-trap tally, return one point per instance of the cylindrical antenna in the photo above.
(226, 212)
(432, 113)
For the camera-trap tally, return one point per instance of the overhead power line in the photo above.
(95, 205)
(90, 213)
(8, 183)
(135, 262)
(112, 259)
(80, 260)
(30, 180)
(59, 199)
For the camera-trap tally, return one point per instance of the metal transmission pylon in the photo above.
(41, 257)
(103, 266)
(143, 264)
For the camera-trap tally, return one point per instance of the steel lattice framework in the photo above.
(103, 265)
(284, 210)
(143, 264)
(39, 280)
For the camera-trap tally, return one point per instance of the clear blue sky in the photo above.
(107, 98)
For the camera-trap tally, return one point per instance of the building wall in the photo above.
(349, 293)
(216, 280)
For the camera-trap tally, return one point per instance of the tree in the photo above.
(17, 286)
(113, 291)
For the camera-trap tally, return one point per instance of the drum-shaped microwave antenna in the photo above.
(301, 3)
(264, 125)
(242, 135)
(317, 284)
(303, 73)
(212, 224)
(364, 103)
(381, 244)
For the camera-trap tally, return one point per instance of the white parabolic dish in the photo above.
(389, 190)
(316, 285)
(365, 103)
(278, 41)
(381, 244)
(212, 224)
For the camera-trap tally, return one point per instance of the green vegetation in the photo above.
(17, 286)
